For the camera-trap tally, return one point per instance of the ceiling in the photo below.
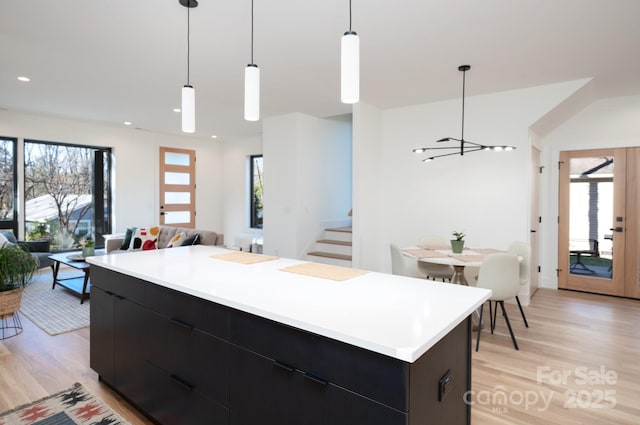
(114, 61)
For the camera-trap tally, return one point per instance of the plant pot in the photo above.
(457, 246)
(10, 302)
(88, 251)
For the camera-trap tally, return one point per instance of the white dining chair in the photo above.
(400, 265)
(522, 250)
(499, 272)
(434, 271)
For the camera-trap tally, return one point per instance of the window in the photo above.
(67, 193)
(256, 191)
(7, 183)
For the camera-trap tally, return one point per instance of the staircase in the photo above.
(334, 248)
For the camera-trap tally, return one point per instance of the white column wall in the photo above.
(236, 194)
(369, 162)
(307, 180)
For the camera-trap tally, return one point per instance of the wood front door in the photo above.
(598, 221)
(177, 187)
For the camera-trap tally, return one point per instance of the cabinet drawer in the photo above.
(171, 400)
(195, 356)
(373, 375)
(119, 284)
(328, 404)
(202, 314)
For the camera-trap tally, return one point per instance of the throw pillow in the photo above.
(177, 240)
(126, 242)
(4, 241)
(192, 240)
(145, 238)
(10, 236)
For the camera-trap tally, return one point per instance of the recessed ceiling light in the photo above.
(213, 136)
(176, 109)
(127, 123)
(24, 79)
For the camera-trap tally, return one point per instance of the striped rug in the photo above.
(55, 311)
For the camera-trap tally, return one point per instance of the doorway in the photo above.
(597, 221)
(177, 187)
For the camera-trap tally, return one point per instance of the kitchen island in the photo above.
(190, 337)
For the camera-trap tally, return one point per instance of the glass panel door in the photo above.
(592, 220)
(177, 187)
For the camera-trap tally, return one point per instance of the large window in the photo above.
(256, 191)
(66, 193)
(7, 183)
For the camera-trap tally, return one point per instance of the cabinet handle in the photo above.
(184, 384)
(182, 324)
(315, 379)
(283, 366)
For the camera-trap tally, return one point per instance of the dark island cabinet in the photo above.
(267, 392)
(157, 348)
(185, 360)
(101, 348)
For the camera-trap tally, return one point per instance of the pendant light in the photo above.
(464, 146)
(188, 92)
(252, 85)
(350, 65)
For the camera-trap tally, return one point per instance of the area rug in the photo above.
(73, 406)
(55, 311)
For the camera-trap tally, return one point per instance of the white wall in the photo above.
(236, 192)
(136, 165)
(606, 123)
(369, 161)
(484, 194)
(307, 182)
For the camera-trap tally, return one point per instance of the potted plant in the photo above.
(457, 244)
(88, 247)
(17, 266)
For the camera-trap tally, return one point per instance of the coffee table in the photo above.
(77, 284)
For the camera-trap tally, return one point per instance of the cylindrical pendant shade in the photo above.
(188, 109)
(252, 92)
(350, 68)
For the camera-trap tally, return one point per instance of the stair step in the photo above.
(334, 242)
(330, 255)
(332, 246)
(340, 229)
(338, 234)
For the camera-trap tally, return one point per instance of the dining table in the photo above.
(459, 261)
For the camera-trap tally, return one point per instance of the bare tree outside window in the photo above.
(58, 192)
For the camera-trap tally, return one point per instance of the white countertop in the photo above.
(392, 315)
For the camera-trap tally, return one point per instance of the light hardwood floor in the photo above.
(573, 338)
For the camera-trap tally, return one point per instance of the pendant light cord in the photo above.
(464, 74)
(252, 32)
(350, 16)
(188, 42)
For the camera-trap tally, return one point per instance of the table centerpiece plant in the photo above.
(88, 247)
(457, 244)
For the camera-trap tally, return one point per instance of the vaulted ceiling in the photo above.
(114, 61)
